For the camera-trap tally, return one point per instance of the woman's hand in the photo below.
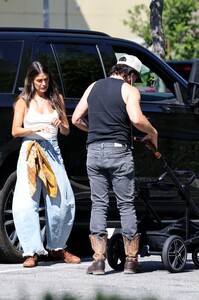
(56, 122)
(63, 126)
(41, 128)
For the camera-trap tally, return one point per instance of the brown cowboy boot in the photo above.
(99, 247)
(131, 250)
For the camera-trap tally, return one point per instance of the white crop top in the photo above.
(34, 119)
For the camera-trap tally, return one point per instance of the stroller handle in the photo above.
(149, 145)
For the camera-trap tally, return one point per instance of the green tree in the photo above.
(180, 22)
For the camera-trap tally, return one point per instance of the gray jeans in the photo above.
(110, 165)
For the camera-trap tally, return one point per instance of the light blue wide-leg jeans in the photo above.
(59, 211)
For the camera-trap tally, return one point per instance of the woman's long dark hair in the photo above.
(52, 93)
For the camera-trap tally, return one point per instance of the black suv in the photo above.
(76, 59)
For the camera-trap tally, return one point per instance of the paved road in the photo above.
(60, 279)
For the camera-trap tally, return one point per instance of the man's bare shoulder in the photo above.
(130, 88)
(87, 91)
(130, 92)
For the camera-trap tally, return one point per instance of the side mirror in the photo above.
(194, 83)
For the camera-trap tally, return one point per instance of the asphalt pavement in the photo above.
(58, 280)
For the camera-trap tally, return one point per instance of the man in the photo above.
(112, 104)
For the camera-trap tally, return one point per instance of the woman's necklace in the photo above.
(41, 100)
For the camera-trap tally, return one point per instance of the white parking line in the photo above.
(47, 266)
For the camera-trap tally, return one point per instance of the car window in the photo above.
(47, 55)
(9, 62)
(151, 86)
(80, 66)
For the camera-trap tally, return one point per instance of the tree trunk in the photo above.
(158, 46)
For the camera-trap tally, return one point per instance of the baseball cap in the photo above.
(131, 61)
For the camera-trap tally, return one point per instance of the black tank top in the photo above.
(107, 115)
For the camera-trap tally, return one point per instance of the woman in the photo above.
(38, 115)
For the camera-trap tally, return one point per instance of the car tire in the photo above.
(10, 248)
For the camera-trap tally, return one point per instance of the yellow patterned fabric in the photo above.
(38, 165)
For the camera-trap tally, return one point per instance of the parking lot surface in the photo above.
(59, 279)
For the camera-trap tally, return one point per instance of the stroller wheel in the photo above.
(115, 252)
(174, 254)
(195, 257)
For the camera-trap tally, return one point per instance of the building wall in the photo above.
(100, 15)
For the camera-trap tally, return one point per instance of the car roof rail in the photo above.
(53, 30)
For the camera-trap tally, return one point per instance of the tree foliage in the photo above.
(180, 26)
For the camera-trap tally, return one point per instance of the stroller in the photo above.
(171, 242)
